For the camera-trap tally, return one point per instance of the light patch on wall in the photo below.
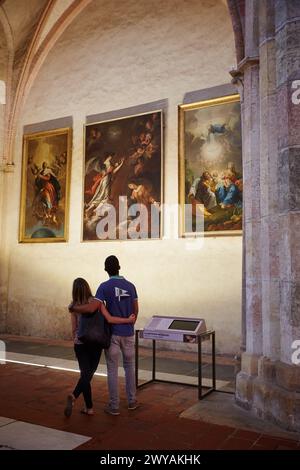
(2, 92)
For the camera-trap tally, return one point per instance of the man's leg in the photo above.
(128, 352)
(112, 361)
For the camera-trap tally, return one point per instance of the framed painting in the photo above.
(123, 178)
(44, 211)
(210, 167)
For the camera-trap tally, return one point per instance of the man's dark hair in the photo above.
(112, 265)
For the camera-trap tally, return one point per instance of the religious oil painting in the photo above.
(210, 163)
(45, 186)
(123, 178)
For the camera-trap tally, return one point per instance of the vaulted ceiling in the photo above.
(23, 17)
(28, 31)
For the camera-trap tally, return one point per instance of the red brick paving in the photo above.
(37, 395)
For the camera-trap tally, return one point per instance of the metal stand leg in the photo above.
(153, 359)
(137, 358)
(137, 334)
(201, 393)
(199, 368)
(213, 352)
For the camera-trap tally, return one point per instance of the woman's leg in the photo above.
(95, 356)
(83, 385)
(94, 353)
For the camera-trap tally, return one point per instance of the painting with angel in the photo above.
(123, 178)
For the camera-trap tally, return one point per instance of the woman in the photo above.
(88, 355)
(49, 189)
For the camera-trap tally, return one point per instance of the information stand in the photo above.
(198, 339)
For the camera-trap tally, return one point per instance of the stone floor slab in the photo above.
(25, 436)
(5, 421)
(220, 408)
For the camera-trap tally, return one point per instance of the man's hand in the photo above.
(71, 307)
(132, 318)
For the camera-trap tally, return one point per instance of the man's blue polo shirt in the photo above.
(118, 295)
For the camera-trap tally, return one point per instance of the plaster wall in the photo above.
(113, 56)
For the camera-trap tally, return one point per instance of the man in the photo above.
(201, 193)
(121, 300)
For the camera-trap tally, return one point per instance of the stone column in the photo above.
(3, 253)
(288, 72)
(4, 61)
(252, 314)
(269, 182)
(3, 293)
(269, 384)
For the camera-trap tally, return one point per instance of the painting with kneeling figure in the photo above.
(211, 181)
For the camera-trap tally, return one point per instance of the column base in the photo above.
(270, 390)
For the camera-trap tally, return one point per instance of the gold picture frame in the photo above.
(45, 188)
(210, 166)
(117, 139)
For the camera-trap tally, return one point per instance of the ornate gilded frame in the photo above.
(161, 173)
(182, 109)
(23, 238)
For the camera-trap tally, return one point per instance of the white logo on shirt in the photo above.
(121, 293)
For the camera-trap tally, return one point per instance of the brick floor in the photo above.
(37, 395)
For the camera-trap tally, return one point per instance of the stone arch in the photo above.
(237, 13)
(7, 76)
